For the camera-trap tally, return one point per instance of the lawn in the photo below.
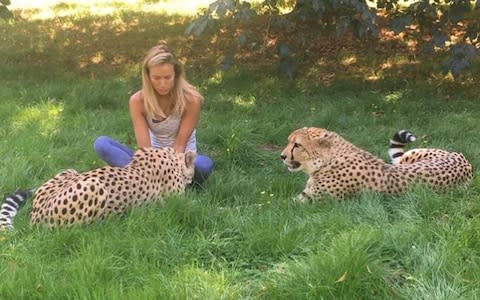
(67, 72)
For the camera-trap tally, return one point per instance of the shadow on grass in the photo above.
(88, 46)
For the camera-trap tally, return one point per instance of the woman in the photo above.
(164, 113)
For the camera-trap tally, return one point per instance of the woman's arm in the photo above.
(188, 122)
(140, 125)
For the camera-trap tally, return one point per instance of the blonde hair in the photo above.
(182, 89)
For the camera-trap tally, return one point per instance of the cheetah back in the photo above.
(71, 197)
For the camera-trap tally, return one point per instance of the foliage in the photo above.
(4, 12)
(450, 26)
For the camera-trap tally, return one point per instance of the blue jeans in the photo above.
(117, 154)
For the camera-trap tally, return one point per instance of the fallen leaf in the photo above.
(342, 278)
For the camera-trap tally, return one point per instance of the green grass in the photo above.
(241, 236)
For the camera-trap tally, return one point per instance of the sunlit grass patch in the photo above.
(46, 9)
(44, 116)
(192, 281)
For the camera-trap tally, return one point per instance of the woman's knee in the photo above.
(203, 168)
(204, 164)
(101, 143)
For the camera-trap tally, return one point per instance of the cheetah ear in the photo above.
(190, 158)
(324, 141)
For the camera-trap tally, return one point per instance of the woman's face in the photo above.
(162, 78)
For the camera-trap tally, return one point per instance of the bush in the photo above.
(449, 27)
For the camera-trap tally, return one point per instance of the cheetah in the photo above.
(74, 198)
(339, 169)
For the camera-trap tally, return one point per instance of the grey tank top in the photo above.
(163, 133)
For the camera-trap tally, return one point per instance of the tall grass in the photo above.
(241, 236)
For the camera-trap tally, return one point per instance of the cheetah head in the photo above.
(308, 149)
(185, 162)
(188, 165)
(168, 159)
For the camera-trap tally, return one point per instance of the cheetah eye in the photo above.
(297, 145)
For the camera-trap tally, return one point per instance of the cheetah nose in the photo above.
(283, 156)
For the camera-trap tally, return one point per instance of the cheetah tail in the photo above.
(397, 144)
(10, 206)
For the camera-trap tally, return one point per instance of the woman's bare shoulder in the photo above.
(136, 102)
(137, 96)
(193, 97)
